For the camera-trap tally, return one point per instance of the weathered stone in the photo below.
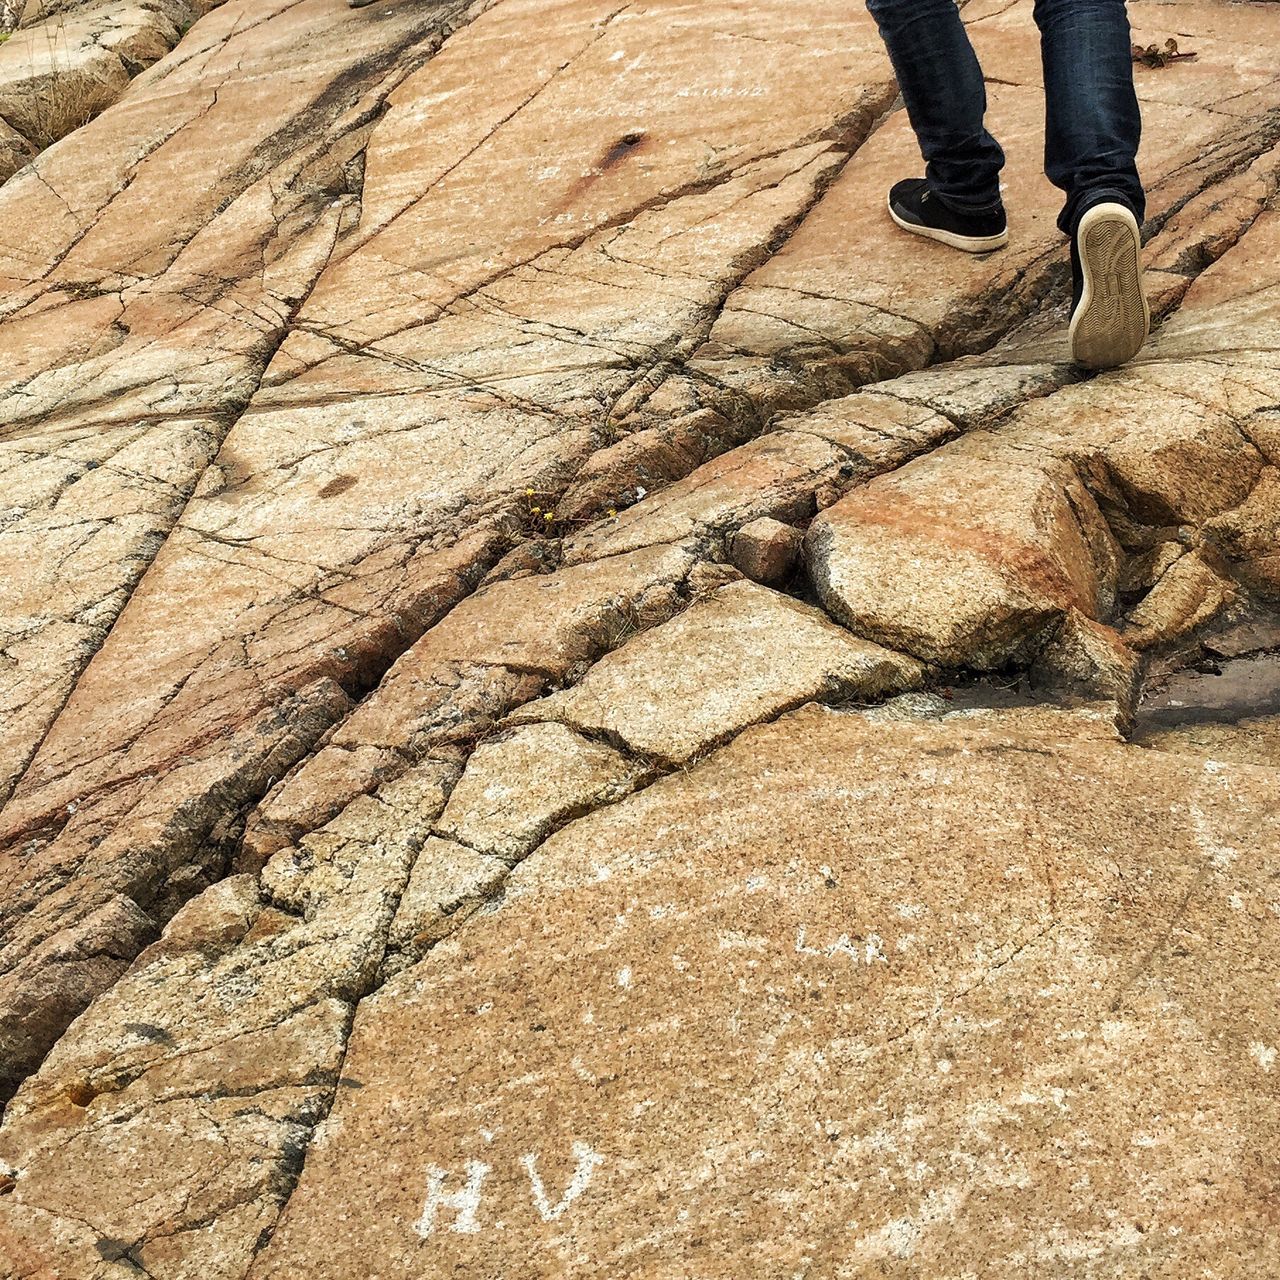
(708, 576)
(519, 786)
(766, 550)
(646, 460)
(969, 393)
(1228, 311)
(764, 1013)
(338, 532)
(776, 476)
(66, 62)
(738, 656)
(305, 801)
(964, 557)
(1188, 594)
(55, 78)
(369, 377)
(448, 883)
(876, 431)
(1207, 226)
(926, 566)
(60, 949)
(496, 650)
(1253, 740)
(1249, 535)
(1086, 659)
(179, 1102)
(15, 150)
(147, 283)
(1146, 568)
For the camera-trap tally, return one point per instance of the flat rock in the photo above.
(1252, 740)
(1188, 594)
(740, 655)
(517, 787)
(763, 1016)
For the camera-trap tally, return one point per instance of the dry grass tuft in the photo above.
(61, 105)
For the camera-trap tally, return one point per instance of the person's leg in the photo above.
(1092, 121)
(1092, 128)
(945, 97)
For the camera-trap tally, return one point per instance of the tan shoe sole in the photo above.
(1112, 320)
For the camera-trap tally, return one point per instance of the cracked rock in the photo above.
(516, 788)
(1003, 972)
(965, 556)
(430, 843)
(737, 656)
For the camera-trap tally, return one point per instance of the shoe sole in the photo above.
(967, 244)
(1112, 319)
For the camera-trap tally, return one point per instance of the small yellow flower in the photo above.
(535, 510)
(529, 492)
(551, 515)
(613, 511)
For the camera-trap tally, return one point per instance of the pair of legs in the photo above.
(1092, 121)
(1092, 126)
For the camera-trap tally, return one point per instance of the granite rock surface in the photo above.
(574, 704)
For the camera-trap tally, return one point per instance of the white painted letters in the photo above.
(466, 1201)
(587, 1162)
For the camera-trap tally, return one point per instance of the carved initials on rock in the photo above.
(466, 1202)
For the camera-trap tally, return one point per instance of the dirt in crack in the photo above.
(1214, 692)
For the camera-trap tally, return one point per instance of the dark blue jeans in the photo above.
(1092, 122)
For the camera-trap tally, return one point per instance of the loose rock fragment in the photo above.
(1086, 659)
(964, 557)
(1189, 594)
(1249, 536)
(767, 550)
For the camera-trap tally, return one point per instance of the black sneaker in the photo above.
(1110, 318)
(915, 208)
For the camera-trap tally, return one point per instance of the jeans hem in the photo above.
(1078, 206)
